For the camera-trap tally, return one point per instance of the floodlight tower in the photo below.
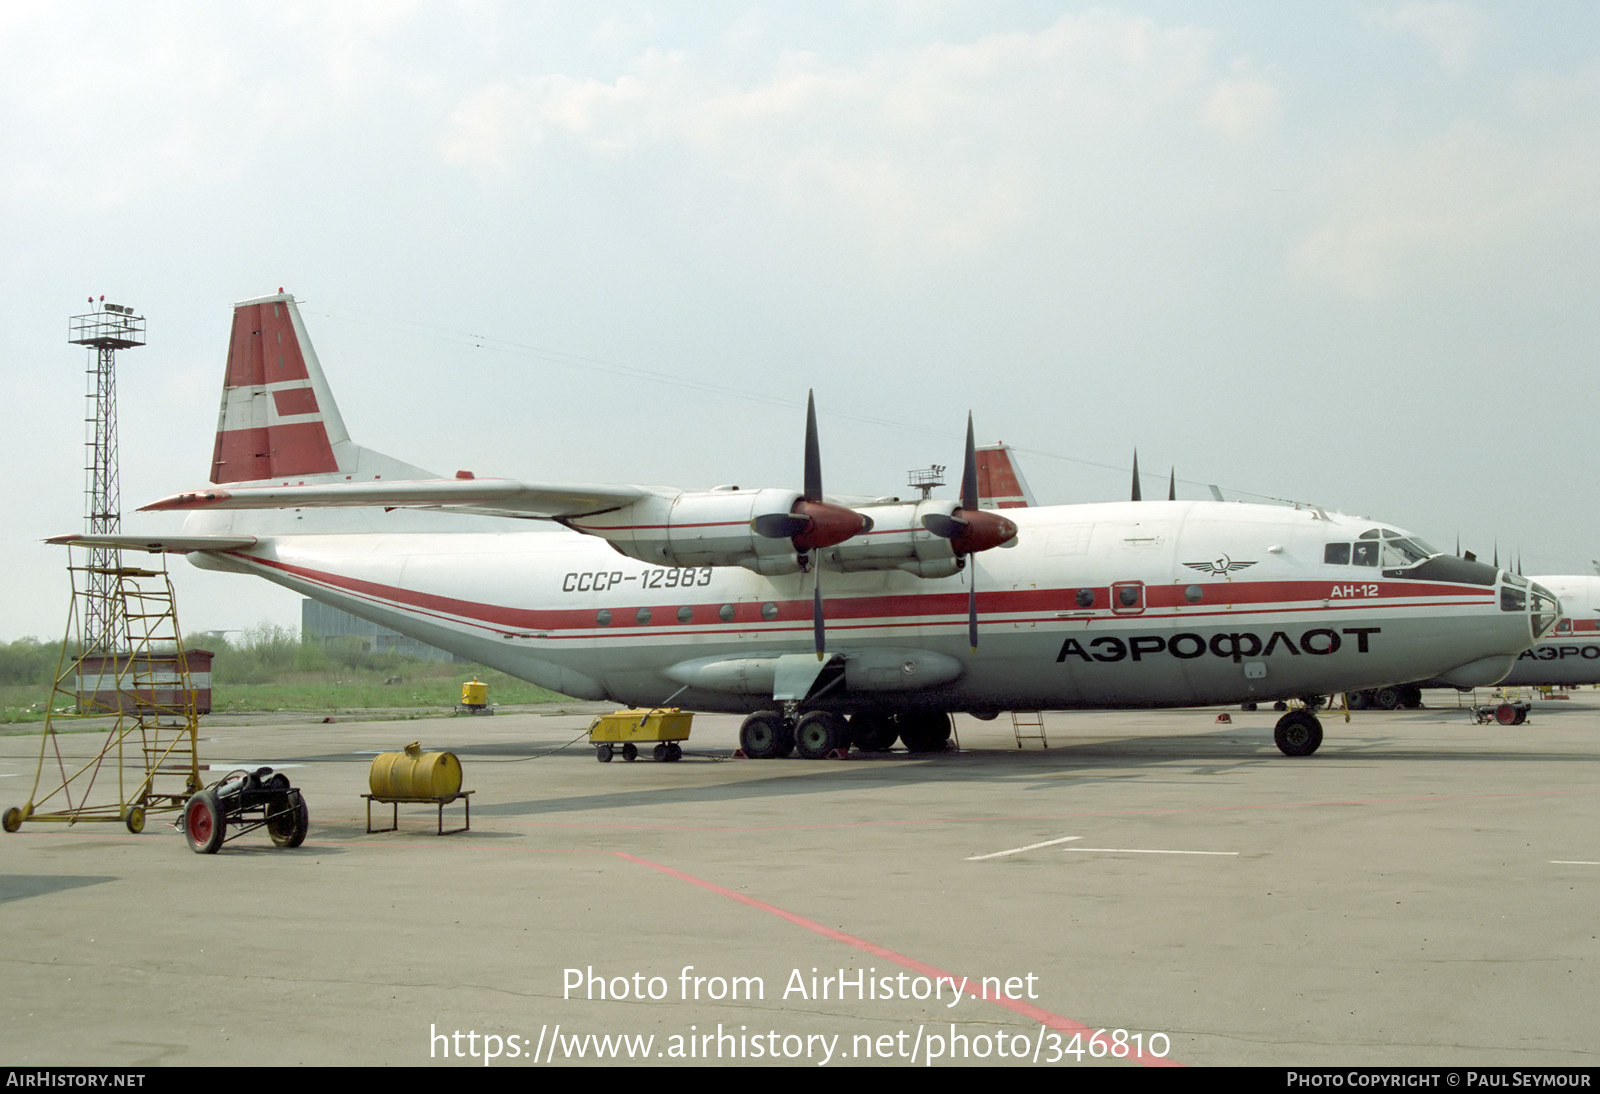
(105, 329)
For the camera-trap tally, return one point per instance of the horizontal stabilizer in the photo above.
(177, 545)
(490, 497)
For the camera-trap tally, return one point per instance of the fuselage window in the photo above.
(1085, 598)
(1336, 554)
(642, 615)
(725, 613)
(769, 610)
(603, 617)
(685, 614)
(1194, 594)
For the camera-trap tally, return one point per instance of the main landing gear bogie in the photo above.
(767, 734)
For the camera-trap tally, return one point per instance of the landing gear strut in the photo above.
(1298, 733)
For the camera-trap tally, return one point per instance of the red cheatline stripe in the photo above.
(1025, 1009)
(872, 611)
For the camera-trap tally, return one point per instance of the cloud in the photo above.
(937, 146)
(1465, 200)
(1451, 32)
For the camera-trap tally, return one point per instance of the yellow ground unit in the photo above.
(630, 728)
(474, 698)
(119, 738)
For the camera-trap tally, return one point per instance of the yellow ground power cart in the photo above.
(665, 726)
(474, 698)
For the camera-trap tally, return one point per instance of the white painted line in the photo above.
(1148, 851)
(1019, 850)
(1572, 862)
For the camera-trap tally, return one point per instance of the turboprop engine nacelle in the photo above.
(701, 528)
(899, 541)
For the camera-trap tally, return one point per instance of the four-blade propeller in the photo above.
(812, 524)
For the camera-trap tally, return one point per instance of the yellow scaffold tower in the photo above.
(120, 738)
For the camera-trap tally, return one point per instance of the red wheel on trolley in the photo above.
(203, 825)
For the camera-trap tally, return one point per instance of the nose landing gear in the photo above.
(1298, 733)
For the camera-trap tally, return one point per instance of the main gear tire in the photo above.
(820, 733)
(763, 735)
(872, 731)
(925, 731)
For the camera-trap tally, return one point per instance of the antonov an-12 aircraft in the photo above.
(829, 621)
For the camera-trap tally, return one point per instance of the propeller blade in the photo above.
(944, 527)
(969, 471)
(972, 607)
(817, 628)
(813, 469)
(781, 525)
(1135, 491)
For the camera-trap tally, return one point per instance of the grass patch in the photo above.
(408, 685)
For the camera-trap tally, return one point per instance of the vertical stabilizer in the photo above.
(278, 420)
(1000, 483)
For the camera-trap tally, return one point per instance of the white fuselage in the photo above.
(1123, 604)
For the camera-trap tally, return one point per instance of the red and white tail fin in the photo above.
(1000, 483)
(278, 421)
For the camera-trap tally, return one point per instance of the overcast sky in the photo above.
(1338, 252)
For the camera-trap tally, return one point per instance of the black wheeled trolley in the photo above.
(245, 801)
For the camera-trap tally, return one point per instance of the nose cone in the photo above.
(1527, 613)
(1518, 594)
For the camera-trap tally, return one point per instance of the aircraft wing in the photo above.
(487, 497)
(177, 545)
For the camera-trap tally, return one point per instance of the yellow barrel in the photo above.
(474, 693)
(415, 774)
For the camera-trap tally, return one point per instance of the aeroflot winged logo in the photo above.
(1219, 567)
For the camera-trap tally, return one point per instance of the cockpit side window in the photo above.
(1398, 553)
(1336, 554)
(1365, 554)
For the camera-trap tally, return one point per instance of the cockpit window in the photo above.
(1365, 554)
(1370, 533)
(1336, 554)
(1399, 553)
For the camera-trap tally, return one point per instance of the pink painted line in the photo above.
(1025, 1009)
